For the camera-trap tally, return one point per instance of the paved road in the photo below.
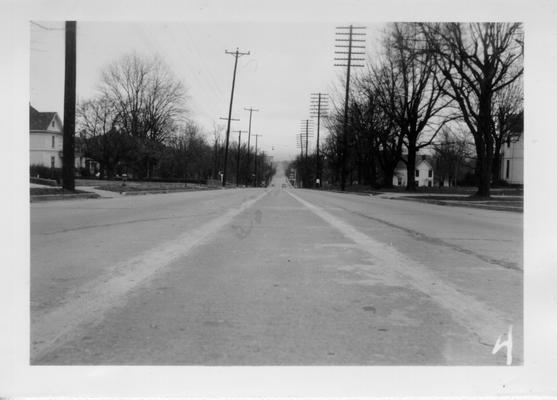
(275, 276)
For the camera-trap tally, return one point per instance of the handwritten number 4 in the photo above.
(507, 343)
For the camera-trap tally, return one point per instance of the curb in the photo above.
(386, 196)
(48, 197)
(460, 204)
(162, 191)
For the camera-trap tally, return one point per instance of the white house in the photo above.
(423, 174)
(46, 142)
(46, 138)
(512, 160)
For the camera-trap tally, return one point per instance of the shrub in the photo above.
(43, 171)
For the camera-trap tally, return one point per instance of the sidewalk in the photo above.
(103, 194)
(497, 202)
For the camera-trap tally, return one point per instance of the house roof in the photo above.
(419, 159)
(39, 121)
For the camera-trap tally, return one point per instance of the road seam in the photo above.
(90, 302)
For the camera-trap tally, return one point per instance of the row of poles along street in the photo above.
(68, 169)
(349, 51)
(237, 54)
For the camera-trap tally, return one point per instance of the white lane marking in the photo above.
(91, 301)
(478, 317)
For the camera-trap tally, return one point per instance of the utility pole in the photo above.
(305, 134)
(255, 177)
(300, 144)
(318, 109)
(68, 173)
(347, 56)
(226, 152)
(236, 55)
(238, 158)
(251, 110)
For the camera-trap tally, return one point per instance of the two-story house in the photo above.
(45, 139)
(423, 174)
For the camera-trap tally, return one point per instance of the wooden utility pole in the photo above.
(300, 144)
(318, 109)
(347, 56)
(236, 55)
(305, 134)
(68, 172)
(251, 110)
(255, 174)
(238, 158)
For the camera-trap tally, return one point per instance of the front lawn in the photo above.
(53, 190)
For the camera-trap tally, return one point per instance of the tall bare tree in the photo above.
(407, 80)
(477, 61)
(149, 101)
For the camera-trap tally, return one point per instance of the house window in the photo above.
(508, 169)
(417, 183)
(52, 123)
(508, 141)
(399, 182)
(429, 183)
(430, 173)
(417, 173)
(52, 162)
(53, 141)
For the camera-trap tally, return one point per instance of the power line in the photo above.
(46, 28)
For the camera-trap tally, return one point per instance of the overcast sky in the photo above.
(288, 62)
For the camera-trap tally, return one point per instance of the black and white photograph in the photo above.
(345, 190)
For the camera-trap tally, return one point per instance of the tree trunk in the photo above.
(411, 167)
(372, 173)
(484, 146)
(496, 167)
(484, 177)
(388, 173)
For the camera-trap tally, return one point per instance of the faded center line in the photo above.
(91, 301)
(487, 323)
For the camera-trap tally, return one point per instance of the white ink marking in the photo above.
(507, 343)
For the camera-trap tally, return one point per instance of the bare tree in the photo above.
(217, 132)
(407, 81)
(477, 61)
(452, 150)
(149, 102)
(99, 136)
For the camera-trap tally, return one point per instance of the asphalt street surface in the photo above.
(275, 276)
